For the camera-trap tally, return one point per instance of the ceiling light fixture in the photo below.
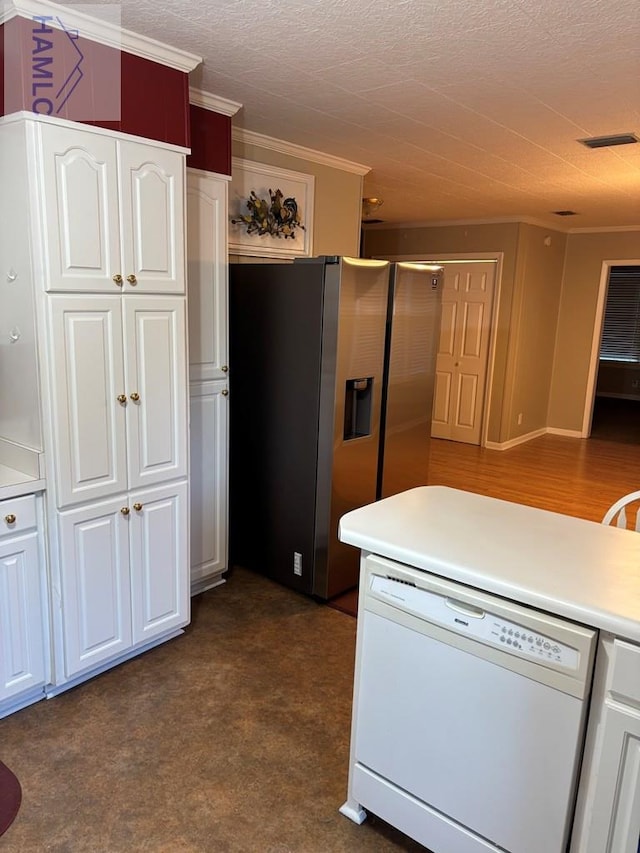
(565, 212)
(608, 141)
(369, 207)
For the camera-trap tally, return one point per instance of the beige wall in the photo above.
(534, 321)
(583, 268)
(527, 312)
(440, 241)
(337, 199)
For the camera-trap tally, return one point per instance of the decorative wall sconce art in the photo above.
(271, 211)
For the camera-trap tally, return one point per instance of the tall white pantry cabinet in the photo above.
(207, 277)
(106, 223)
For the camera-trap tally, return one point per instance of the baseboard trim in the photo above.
(513, 442)
(570, 433)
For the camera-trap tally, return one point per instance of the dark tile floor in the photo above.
(232, 737)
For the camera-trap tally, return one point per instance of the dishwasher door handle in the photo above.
(466, 609)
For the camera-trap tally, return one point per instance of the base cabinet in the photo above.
(123, 582)
(22, 612)
(209, 419)
(608, 816)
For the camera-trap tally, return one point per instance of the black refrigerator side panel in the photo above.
(275, 327)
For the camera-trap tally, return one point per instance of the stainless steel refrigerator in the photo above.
(332, 365)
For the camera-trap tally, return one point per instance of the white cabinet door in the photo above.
(207, 275)
(87, 375)
(95, 581)
(152, 203)
(81, 228)
(22, 664)
(155, 369)
(159, 555)
(209, 482)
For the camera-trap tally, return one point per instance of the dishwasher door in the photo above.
(493, 751)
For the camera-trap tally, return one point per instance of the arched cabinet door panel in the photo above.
(152, 198)
(80, 197)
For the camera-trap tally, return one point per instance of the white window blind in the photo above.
(621, 329)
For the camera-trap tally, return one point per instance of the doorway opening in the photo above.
(612, 410)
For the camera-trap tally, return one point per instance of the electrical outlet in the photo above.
(520, 419)
(297, 563)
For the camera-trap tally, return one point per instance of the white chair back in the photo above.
(618, 513)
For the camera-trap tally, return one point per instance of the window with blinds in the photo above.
(621, 328)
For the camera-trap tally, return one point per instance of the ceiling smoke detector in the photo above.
(608, 141)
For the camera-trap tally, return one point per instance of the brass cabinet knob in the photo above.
(137, 506)
(125, 510)
(118, 279)
(132, 280)
(135, 396)
(10, 519)
(224, 368)
(121, 398)
(224, 392)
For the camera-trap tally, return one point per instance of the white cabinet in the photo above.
(207, 275)
(209, 436)
(207, 283)
(608, 817)
(22, 618)
(119, 398)
(103, 226)
(113, 213)
(122, 574)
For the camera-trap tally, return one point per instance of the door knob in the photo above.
(224, 368)
(121, 398)
(10, 519)
(137, 507)
(132, 280)
(118, 279)
(135, 396)
(224, 392)
(125, 510)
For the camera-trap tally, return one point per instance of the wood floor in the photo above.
(579, 477)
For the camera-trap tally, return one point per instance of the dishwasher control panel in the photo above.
(532, 644)
(474, 622)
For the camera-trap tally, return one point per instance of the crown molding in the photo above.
(443, 223)
(604, 229)
(213, 102)
(102, 32)
(248, 137)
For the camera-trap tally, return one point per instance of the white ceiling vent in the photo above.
(608, 141)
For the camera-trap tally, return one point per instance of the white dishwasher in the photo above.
(469, 715)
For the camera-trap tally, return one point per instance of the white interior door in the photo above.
(461, 366)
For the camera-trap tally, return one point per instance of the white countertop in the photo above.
(14, 483)
(567, 566)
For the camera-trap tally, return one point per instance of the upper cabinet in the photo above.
(207, 272)
(113, 213)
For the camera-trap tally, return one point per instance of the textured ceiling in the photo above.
(463, 110)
